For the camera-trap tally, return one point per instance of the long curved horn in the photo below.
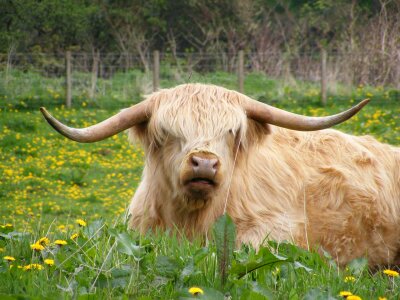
(265, 113)
(125, 119)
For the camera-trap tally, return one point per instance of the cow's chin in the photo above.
(198, 192)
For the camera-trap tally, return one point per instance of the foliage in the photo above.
(365, 32)
(202, 25)
(51, 25)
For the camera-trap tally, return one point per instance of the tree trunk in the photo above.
(9, 64)
(156, 70)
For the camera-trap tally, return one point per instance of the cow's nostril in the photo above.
(214, 163)
(195, 161)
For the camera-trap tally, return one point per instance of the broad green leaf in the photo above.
(200, 255)
(167, 266)
(93, 230)
(127, 245)
(263, 258)
(358, 265)
(187, 271)
(115, 273)
(103, 281)
(117, 278)
(259, 292)
(298, 265)
(331, 261)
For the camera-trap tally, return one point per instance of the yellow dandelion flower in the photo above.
(74, 236)
(9, 173)
(382, 298)
(49, 262)
(80, 222)
(44, 241)
(33, 267)
(345, 293)
(9, 258)
(37, 247)
(196, 291)
(60, 242)
(353, 297)
(349, 279)
(391, 273)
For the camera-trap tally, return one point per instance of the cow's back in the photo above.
(342, 192)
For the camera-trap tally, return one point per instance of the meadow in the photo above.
(63, 222)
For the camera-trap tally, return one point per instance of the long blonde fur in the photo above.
(322, 188)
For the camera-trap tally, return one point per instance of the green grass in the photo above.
(30, 90)
(47, 183)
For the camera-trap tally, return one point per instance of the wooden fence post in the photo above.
(9, 63)
(398, 70)
(68, 80)
(241, 71)
(95, 71)
(323, 76)
(156, 70)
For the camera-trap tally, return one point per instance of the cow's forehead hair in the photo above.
(194, 111)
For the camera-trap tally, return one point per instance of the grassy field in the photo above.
(63, 218)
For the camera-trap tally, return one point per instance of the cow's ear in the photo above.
(139, 133)
(257, 131)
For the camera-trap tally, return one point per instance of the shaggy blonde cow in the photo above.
(277, 174)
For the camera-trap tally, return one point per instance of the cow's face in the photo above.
(196, 146)
(199, 144)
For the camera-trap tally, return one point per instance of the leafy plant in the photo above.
(225, 236)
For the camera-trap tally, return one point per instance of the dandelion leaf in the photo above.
(358, 265)
(225, 238)
(166, 266)
(126, 244)
(263, 258)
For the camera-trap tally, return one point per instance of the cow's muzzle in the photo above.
(201, 173)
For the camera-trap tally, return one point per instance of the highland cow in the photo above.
(277, 174)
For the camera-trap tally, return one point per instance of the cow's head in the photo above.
(193, 133)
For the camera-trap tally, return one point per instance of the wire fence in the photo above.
(116, 79)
